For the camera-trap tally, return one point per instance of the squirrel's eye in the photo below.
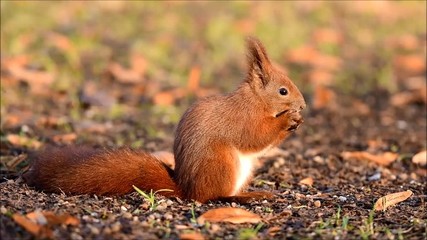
(283, 91)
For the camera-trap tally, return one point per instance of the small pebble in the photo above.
(115, 227)
(375, 177)
(123, 208)
(127, 215)
(168, 216)
(161, 207)
(317, 203)
(215, 227)
(319, 159)
(107, 230)
(342, 198)
(93, 230)
(3, 210)
(76, 236)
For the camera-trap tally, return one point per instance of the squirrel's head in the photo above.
(270, 83)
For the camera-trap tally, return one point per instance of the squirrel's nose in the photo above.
(302, 106)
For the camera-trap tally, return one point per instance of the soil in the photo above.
(338, 205)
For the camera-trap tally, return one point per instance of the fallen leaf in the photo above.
(229, 214)
(16, 61)
(320, 77)
(383, 159)
(18, 140)
(405, 98)
(191, 236)
(124, 75)
(323, 98)
(60, 41)
(410, 64)
(57, 219)
(165, 98)
(33, 228)
(65, 138)
(302, 55)
(327, 62)
(391, 199)
(407, 42)
(168, 97)
(92, 126)
(420, 158)
(284, 214)
(307, 181)
(327, 36)
(274, 230)
(17, 118)
(37, 217)
(39, 81)
(138, 63)
(194, 79)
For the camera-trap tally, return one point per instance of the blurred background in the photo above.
(101, 67)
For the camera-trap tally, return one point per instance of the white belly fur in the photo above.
(246, 163)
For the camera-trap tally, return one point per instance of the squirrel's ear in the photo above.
(259, 64)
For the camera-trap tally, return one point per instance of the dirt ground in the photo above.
(338, 204)
(121, 73)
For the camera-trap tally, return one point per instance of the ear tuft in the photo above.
(258, 62)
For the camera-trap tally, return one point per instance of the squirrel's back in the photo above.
(83, 170)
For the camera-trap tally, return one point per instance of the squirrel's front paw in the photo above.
(295, 119)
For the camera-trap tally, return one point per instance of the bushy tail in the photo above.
(83, 170)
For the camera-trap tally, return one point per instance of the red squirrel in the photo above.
(217, 141)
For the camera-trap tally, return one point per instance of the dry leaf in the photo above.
(191, 236)
(38, 80)
(35, 229)
(302, 55)
(26, 223)
(410, 64)
(320, 77)
(408, 97)
(406, 42)
(327, 62)
(228, 214)
(65, 218)
(327, 35)
(274, 230)
(284, 214)
(391, 199)
(383, 159)
(124, 75)
(167, 98)
(420, 158)
(138, 63)
(194, 79)
(307, 181)
(323, 97)
(60, 41)
(65, 138)
(18, 140)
